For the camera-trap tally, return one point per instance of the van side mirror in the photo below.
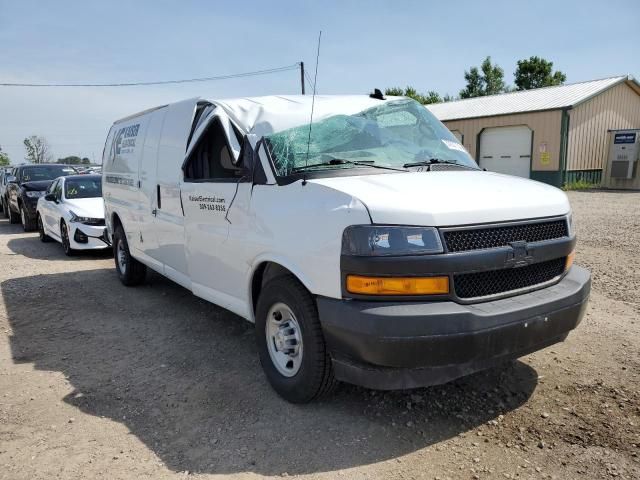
(50, 197)
(11, 179)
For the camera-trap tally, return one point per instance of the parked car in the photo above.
(367, 246)
(4, 173)
(72, 213)
(26, 184)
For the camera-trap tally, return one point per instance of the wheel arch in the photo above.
(266, 269)
(115, 222)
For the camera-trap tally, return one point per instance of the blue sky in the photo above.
(365, 45)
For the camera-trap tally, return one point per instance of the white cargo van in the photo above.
(367, 246)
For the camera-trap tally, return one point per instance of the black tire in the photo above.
(315, 378)
(5, 208)
(27, 224)
(14, 217)
(131, 272)
(44, 238)
(64, 236)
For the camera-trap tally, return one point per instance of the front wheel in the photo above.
(27, 223)
(290, 343)
(130, 270)
(66, 243)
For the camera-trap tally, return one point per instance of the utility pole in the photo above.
(302, 76)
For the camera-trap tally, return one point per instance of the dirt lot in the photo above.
(102, 381)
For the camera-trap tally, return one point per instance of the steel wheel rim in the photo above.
(284, 340)
(121, 257)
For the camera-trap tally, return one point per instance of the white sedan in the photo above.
(72, 213)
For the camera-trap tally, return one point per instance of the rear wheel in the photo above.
(130, 270)
(43, 236)
(292, 349)
(27, 224)
(66, 243)
(5, 208)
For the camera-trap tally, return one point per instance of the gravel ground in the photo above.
(102, 381)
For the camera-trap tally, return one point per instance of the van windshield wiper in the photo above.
(433, 161)
(341, 161)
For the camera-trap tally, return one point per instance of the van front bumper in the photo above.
(396, 345)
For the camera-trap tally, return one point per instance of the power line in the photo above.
(158, 82)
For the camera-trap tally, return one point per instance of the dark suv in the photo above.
(25, 186)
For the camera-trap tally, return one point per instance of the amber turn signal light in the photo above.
(570, 258)
(397, 285)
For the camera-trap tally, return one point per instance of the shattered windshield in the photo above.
(397, 134)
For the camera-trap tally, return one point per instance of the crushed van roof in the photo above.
(546, 98)
(269, 114)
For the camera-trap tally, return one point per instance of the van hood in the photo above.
(87, 207)
(448, 198)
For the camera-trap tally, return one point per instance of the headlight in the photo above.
(86, 220)
(570, 225)
(34, 193)
(378, 240)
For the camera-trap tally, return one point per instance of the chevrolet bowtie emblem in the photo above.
(519, 255)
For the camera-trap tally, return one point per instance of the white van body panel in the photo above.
(446, 198)
(120, 166)
(169, 222)
(267, 223)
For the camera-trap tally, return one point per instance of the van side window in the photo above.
(212, 159)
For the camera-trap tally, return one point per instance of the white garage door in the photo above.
(506, 150)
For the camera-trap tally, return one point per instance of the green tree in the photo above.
(493, 77)
(536, 72)
(425, 99)
(475, 84)
(37, 149)
(86, 161)
(4, 158)
(394, 92)
(70, 160)
(486, 80)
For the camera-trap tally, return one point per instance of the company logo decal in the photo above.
(124, 141)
